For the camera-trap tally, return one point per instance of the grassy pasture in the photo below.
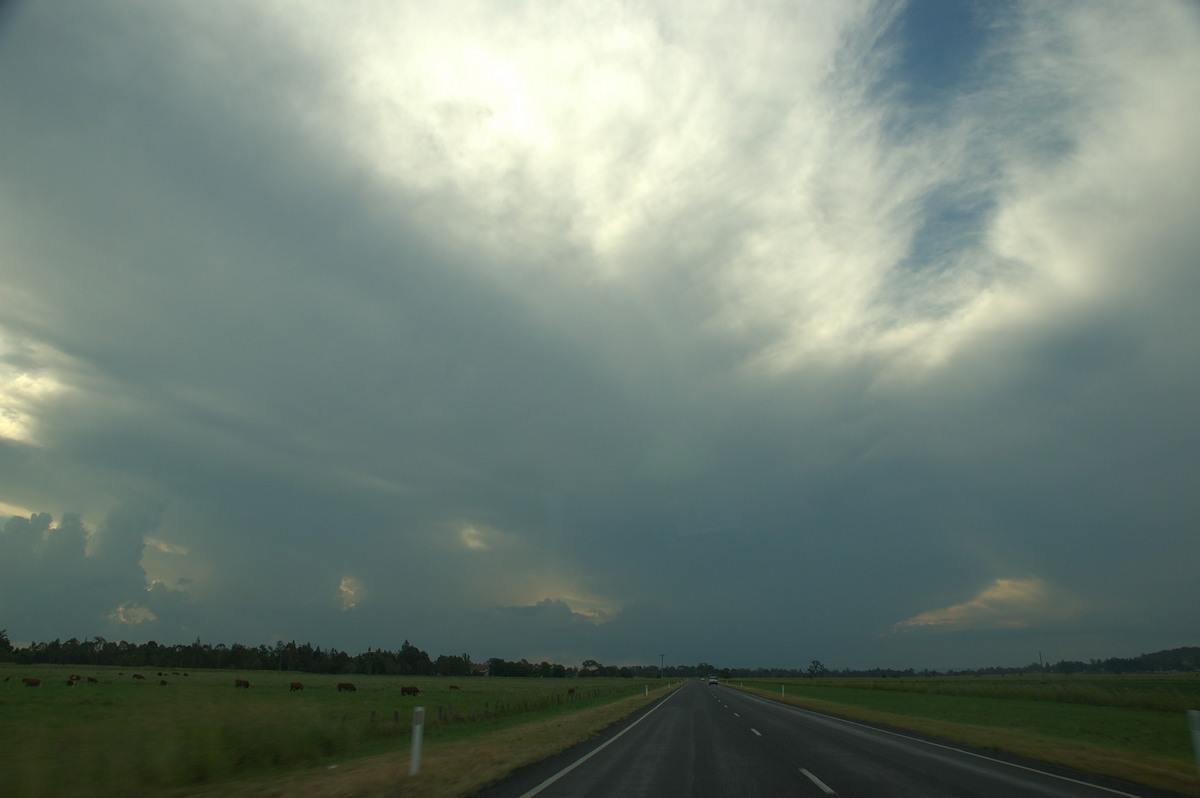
(1132, 727)
(126, 736)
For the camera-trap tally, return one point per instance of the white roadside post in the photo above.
(1194, 725)
(418, 730)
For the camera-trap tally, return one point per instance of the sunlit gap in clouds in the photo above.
(351, 591)
(131, 613)
(26, 385)
(1004, 604)
(530, 585)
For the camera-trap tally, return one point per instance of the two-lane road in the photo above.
(708, 742)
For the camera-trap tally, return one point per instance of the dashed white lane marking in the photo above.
(822, 786)
(756, 732)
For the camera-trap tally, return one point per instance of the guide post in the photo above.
(418, 730)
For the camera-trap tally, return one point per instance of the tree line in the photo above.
(409, 660)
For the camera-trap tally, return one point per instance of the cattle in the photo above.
(455, 687)
(163, 682)
(70, 682)
(296, 686)
(347, 687)
(29, 681)
(410, 691)
(75, 677)
(138, 676)
(93, 680)
(241, 683)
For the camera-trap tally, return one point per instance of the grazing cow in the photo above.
(138, 676)
(410, 691)
(93, 680)
(296, 686)
(347, 687)
(29, 681)
(455, 687)
(241, 683)
(70, 682)
(75, 677)
(163, 682)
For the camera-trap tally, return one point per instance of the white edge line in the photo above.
(949, 748)
(820, 784)
(596, 750)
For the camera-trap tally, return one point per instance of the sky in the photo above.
(750, 335)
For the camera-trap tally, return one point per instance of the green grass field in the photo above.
(1131, 727)
(126, 736)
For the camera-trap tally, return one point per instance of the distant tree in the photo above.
(6, 647)
(816, 668)
(450, 665)
(414, 661)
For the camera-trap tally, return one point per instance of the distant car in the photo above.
(712, 679)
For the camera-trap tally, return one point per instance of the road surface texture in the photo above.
(709, 742)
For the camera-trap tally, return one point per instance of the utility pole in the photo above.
(662, 658)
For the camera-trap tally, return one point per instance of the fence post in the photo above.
(1194, 724)
(418, 730)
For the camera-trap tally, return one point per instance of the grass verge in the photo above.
(1072, 736)
(449, 769)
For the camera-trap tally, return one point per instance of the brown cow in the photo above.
(455, 687)
(241, 683)
(296, 686)
(410, 691)
(93, 680)
(138, 676)
(29, 681)
(347, 687)
(163, 682)
(75, 677)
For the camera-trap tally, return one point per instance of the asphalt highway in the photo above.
(711, 742)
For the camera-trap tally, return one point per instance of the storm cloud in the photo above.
(847, 332)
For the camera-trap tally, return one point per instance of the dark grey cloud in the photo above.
(436, 329)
